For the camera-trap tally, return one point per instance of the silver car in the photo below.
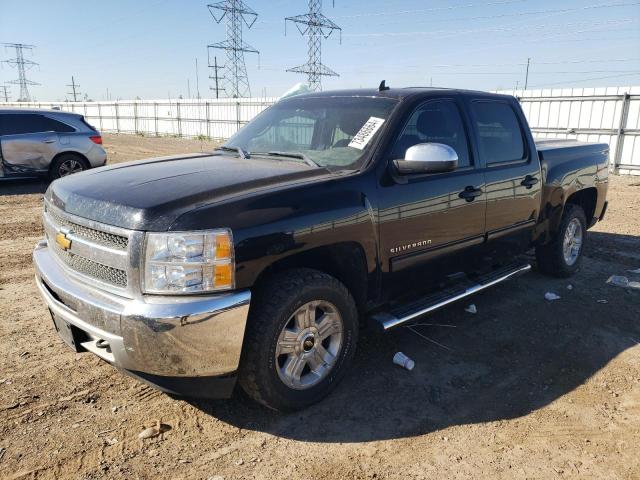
(47, 142)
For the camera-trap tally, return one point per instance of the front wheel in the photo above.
(300, 339)
(561, 257)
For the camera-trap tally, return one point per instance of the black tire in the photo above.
(57, 166)
(271, 311)
(550, 257)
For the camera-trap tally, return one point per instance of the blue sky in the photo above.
(148, 48)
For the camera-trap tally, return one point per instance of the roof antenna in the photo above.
(383, 87)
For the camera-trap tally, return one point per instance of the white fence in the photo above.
(610, 115)
(216, 118)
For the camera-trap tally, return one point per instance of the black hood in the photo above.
(152, 194)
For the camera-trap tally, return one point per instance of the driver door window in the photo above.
(436, 121)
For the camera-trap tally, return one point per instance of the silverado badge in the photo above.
(410, 246)
(63, 242)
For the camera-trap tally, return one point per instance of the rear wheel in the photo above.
(67, 164)
(562, 256)
(300, 339)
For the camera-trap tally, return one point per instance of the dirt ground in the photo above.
(525, 388)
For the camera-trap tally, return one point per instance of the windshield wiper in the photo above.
(298, 155)
(241, 153)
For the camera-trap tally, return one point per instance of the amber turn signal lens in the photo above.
(223, 247)
(223, 275)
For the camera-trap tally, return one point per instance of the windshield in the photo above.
(318, 130)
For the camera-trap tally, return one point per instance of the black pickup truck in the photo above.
(260, 261)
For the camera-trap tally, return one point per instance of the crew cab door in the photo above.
(425, 220)
(29, 142)
(512, 173)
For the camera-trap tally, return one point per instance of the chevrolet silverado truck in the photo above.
(259, 262)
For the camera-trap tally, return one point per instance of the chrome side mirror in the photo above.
(428, 158)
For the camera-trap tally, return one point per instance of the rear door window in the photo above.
(499, 134)
(50, 125)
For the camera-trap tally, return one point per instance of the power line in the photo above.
(373, 69)
(580, 80)
(519, 29)
(492, 45)
(236, 13)
(414, 11)
(432, 10)
(576, 72)
(315, 26)
(544, 38)
(562, 62)
(530, 13)
(73, 91)
(588, 61)
(496, 15)
(22, 65)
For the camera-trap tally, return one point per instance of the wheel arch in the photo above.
(69, 152)
(344, 261)
(586, 198)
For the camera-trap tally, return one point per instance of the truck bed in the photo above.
(570, 166)
(555, 150)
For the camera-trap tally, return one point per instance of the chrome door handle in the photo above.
(50, 140)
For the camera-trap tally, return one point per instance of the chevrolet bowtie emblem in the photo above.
(63, 242)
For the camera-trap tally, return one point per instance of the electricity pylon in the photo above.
(315, 26)
(236, 12)
(22, 65)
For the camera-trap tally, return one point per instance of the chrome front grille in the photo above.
(104, 273)
(97, 253)
(103, 238)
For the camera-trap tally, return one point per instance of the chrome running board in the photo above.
(389, 320)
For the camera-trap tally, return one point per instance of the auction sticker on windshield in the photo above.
(366, 133)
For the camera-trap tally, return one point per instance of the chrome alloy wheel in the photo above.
(572, 242)
(70, 166)
(309, 344)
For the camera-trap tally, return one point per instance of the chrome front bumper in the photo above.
(196, 336)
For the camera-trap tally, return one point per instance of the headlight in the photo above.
(189, 262)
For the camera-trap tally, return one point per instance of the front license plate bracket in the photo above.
(69, 334)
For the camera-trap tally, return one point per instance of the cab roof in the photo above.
(398, 93)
